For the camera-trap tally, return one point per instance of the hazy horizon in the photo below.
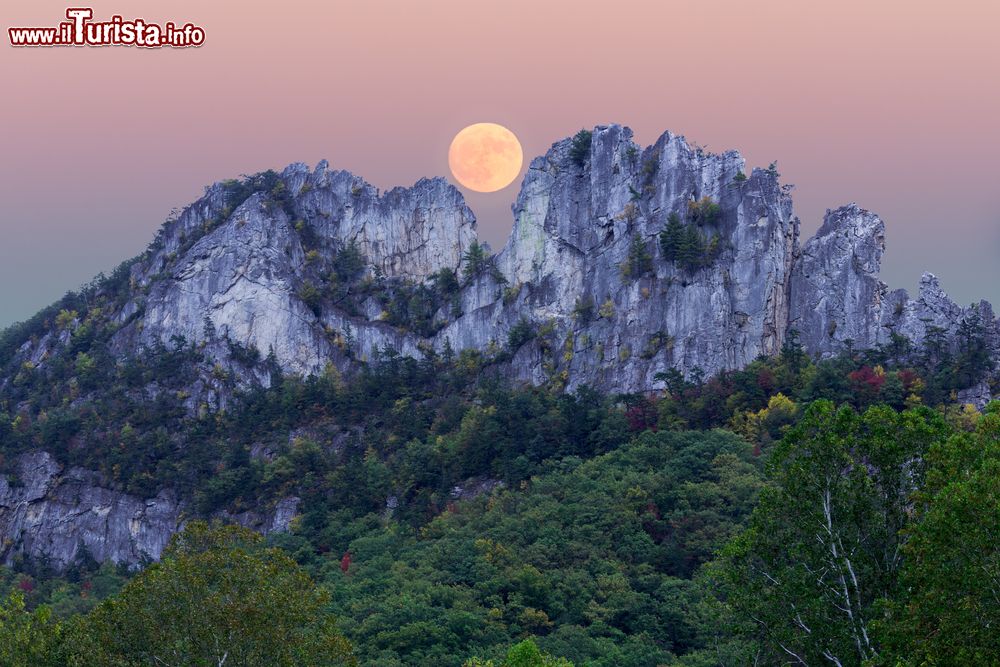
(886, 104)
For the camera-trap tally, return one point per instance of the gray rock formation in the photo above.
(50, 516)
(245, 273)
(53, 516)
(575, 226)
(837, 299)
(836, 295)
(584, 283)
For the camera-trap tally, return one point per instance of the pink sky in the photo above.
(894, 104)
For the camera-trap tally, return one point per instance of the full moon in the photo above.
(485, 157)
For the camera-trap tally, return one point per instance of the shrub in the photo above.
(607, 309)
(445, 281)
(520, 333)
(579, 150)
(510, 294)
(583, 309)
(311, 296)
(639, 261)
(705, 211)
(655, 343)
(348, 263)
(65, 318)
(630, 213)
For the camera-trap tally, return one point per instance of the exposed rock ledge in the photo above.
(53, 516)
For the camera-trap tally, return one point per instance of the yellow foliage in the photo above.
(767, 423)
(628, 214)
(964, 417)
(607, 309)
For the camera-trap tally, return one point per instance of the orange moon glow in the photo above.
(485, 157)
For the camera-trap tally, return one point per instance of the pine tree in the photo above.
(639, 261)
(579, 150)
(670, 237)
(973, 361)
(691, 249)
(476, 259)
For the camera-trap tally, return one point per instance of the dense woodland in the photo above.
(841, 511)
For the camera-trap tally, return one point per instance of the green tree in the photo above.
(348, 263)
(218, 597)
(949, 602)
(476, 259)
(524, 654)
(519, 334)
(691, 249)
(974, 359)
(445, 281)
(28, 639)
(670, 237)
(639, 261)
(579, 149)
(311, 296)
(824, 547)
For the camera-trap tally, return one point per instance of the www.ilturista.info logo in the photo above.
(79, 30)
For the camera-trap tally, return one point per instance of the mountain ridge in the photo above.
(567, 225)
(624, 263)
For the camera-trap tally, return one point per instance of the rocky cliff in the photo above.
(585, 269)
(585, 261)
(54, 516)
(623, 262)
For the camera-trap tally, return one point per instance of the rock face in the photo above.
(54, 516)
(583, 269)
(836, 295)
(51, 515)
(244, 277)
(838, 300)
(589, 289)
(614, 325)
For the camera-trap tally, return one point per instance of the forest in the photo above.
(799, 511)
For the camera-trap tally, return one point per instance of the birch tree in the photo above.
(824, 544)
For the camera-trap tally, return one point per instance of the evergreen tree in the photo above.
(691, 249)
(639, 261)
(973, 360)
(475, 259)
(579, 150)
(670, 237)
